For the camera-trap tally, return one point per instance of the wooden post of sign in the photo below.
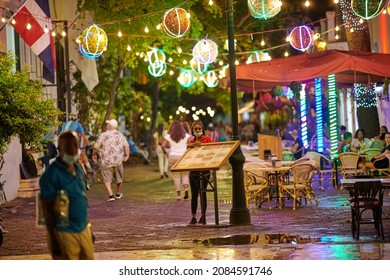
(269, 144)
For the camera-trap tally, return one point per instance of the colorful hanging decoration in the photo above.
(186, 78)
(367, 9)
(301, 38)
(211, 79)
(198, 67)
(205, 51)
(156, 57)
(321, 45)
(264, 9)
(350, 19)
(277, 91)
(176, 22)
(157, 70)
(257, 56)
(93, 41)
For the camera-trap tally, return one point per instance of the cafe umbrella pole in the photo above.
(239, 214)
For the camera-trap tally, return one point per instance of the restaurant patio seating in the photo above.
(299, 183)
(349, 164)
(256, 185)
(366, 196)
(381, 172)
(324, 166)
(370, 153)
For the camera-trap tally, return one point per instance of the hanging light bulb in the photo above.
(337, 36)
(336, 1)
(352, 30)
(184, 61)
(307, 3)
(146, 29)
(28, 26)
(337, 28)
(3, 19)
(63, 33)
(46, 30)
(179, 50)
(360, 20)
(128, 48)
(211, 2)
(120, 34)
(286, 53)
(236, 62)
(171, 72)
(262, 43)
(158, 27)
(53, 33)
(170, 59)
(13, 21)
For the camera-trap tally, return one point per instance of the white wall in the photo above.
(10, 171)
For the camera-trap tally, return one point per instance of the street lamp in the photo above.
(239, 214)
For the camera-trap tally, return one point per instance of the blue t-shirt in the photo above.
(57, 177)
(133, 146)
(72, 125)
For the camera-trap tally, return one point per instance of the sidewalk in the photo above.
(149, 224)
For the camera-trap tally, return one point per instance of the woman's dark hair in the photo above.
(197, 123)
(177, 131)
(357, 131)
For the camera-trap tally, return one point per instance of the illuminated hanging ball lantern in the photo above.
(198, 67)
(368, 9)
(156, 57)
(321, 45)
(301, 38)
(186, 78)
(157, 70)
(264, 9)
(210, 79)
(176, 22)
(93, 41)
(205, 51)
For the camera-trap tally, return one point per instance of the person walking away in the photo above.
(158, 138)
(198, 179)
(177, 140)
(64, 204)
(113, 150)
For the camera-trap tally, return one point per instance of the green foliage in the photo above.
(23, 112)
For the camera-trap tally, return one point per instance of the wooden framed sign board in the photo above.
(206, 156)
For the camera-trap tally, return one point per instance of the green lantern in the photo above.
(368, 9)
(264, 9)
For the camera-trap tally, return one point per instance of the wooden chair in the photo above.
(324, 166)
(349, 164)
(381, 172)
(366, 196)
(299, 184)
(256, 185)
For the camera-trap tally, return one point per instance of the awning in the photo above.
(350, 67)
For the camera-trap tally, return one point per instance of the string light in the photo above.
(128, 48)
(46, 30)
(336, 1)
(158, 27)
(307, 3)
(53, 33)
(28, 25)
(286, 54)
(146, 29)
(120, 34)
(179, 50)
(333, 123)
(13, 21)
(211, 2)
(349, 17)
(365, 96)
(63, 33)
(262, 43)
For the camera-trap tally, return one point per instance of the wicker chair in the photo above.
(349, 164)
(256, 185)
(324, 166)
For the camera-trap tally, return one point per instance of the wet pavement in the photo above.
(149, 224)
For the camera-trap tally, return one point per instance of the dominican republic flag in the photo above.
(37, 12)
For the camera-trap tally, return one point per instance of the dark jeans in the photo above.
(195, 183)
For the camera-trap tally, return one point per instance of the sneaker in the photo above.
(193, 221)
(118, 195)
(111, 198)
(202, 220)
(185, 195)
(178, 198)
(166, 175)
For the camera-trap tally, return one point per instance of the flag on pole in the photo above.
(36, 15)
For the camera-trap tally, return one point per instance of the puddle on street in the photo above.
(258, 239)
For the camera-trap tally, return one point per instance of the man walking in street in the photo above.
(113, 150)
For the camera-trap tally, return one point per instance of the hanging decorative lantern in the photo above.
(198, 67)
(277, 91)
(157, 71)
(257, 56)
(205, 51)
(264, 9)
(368, 9)
(186, 78)
(211, 79)
(301, 38)
(176, 22)
(321, 45)
(156, 57)
(93, 42)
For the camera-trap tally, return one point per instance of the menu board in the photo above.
(206, 156)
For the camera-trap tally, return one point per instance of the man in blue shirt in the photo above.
(134, 150)
(63, 198)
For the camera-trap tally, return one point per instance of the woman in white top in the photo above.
(176, 140)
(360, 142)
(158, 138)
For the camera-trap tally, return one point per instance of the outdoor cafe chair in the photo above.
(366, 196)
(299, 184)
(349, 164)
(381, 172)
(324, 166)
(256, 185)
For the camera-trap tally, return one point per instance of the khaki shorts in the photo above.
(114, 171)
